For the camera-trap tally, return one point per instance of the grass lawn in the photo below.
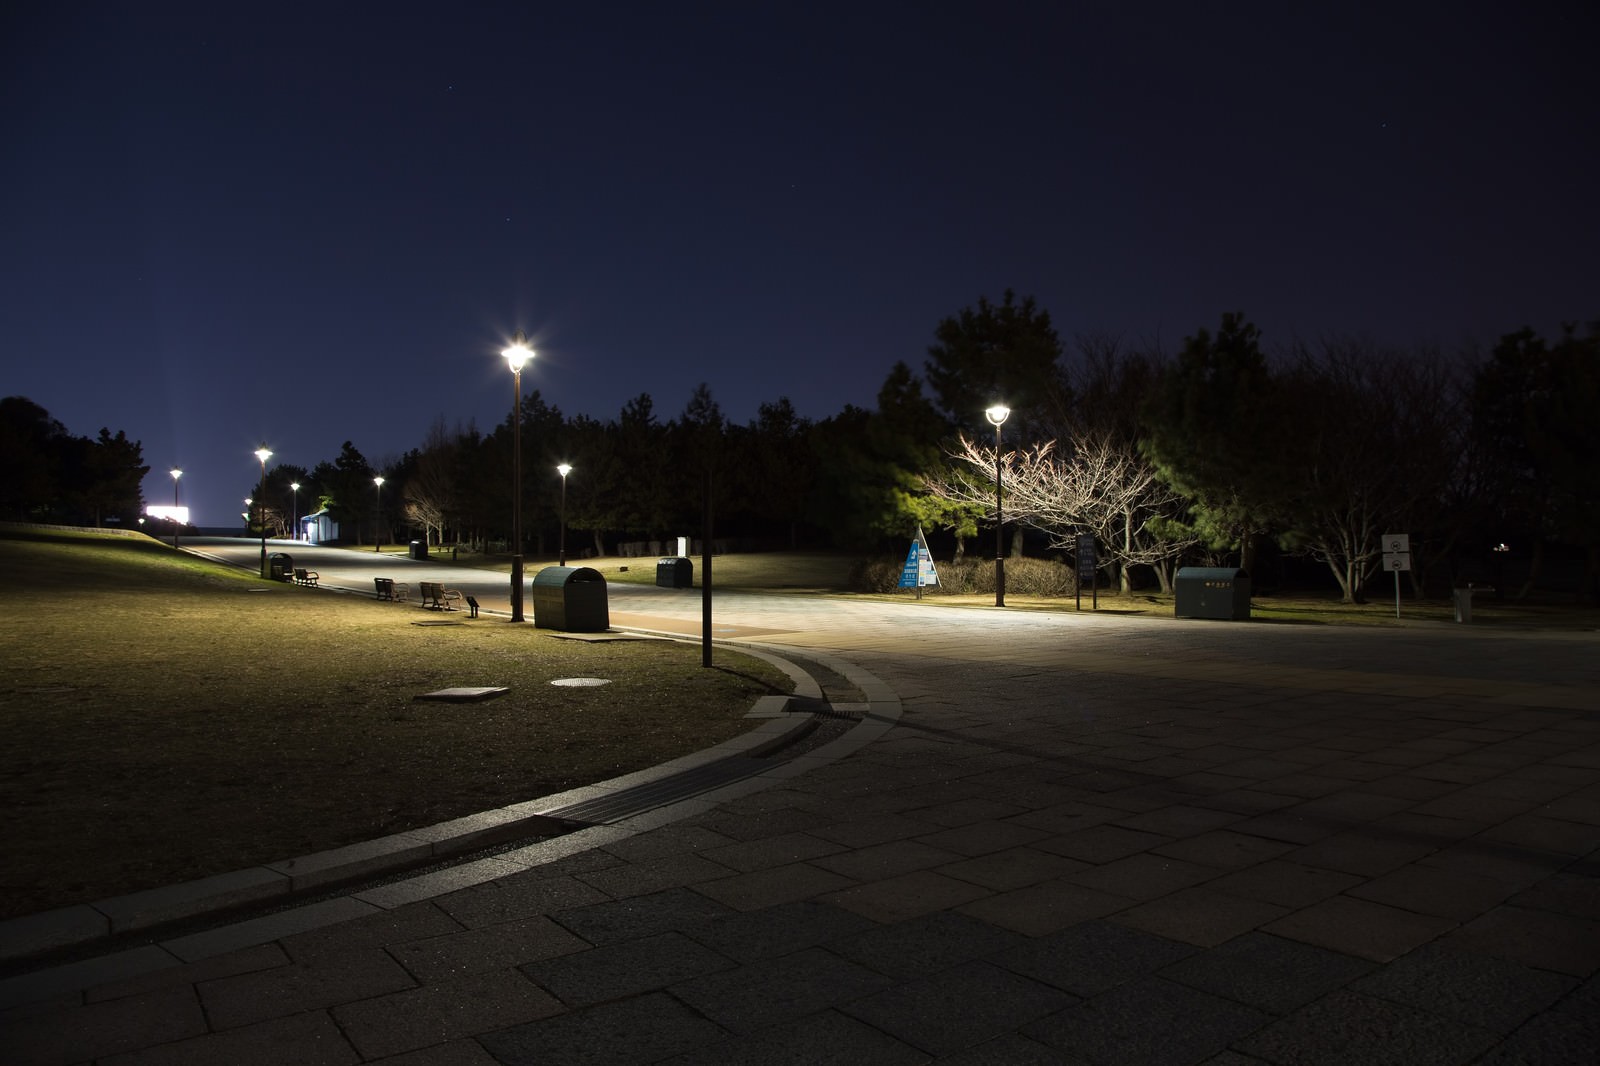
(165, 722)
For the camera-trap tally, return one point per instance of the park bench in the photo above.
(390, 589)
(436, 597)
(302, 576)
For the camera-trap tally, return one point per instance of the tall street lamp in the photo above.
(377, 508)
(177, 524)
(294, 510)
(517, 355)
(262, 454)
(997, 416)
(561, 559)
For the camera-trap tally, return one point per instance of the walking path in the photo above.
(1069, 838)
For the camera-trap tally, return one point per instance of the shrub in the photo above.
(972, 576)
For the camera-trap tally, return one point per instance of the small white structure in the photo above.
(319, 528)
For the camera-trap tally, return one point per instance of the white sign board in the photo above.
(1397, 543)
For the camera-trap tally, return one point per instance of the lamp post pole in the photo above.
(517, 354)
(294, 510)
(561, 558)
(262, 454)
(176, 523)
(377, 511)
(997, 416)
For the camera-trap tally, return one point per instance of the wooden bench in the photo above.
(436, 597)
(302, 576)
(390, 589)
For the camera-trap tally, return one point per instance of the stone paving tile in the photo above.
(907, 896)
(1358, 927)
(1246, 801)
(982, 837)
(1409, 787)
(627, 968)
(879, 830)
(750, 936)
(959, 1007)
(493, 947)
(764, 854)
(639, 916)
(643, 1029)
(828, 1038)
(443, 1011)
(1200, 916)
(1430, 890)
(921, 946)
(1344, 1027)
(643, 878)
(1101, 843)
(1148, 1022)
(79, 1033)
(1365, 851)
(778, 884)
(1515, 867)
(1093, 956)
(510, 899)
(245, 960)
(1178, 820)
(1556, 1037)
(1268, 972)
(1552, 941)
(668, 841)
(1011, 1050)
(1068, 817)
(1144, 876)
(306, 1039)
(1566, 893)
(736, 824)
(331, 979)
(1225, 848)
(879, 861)
(1045, 907)
(1467, 987)
(465, 1052)
(1002, 871)
(1288, 825)
(375, 930)
(1554, 835)
(777, 991)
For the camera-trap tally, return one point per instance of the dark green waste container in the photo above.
(280, 567)
(570, 598)
(675, 572)
(1212, 592)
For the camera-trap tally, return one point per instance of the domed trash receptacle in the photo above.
(1212, 592)
(570, 598)
(675, 572)
(280, 567)
(419, 549)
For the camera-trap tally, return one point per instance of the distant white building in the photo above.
(318, 528)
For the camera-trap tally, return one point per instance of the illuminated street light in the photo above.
(516, 355)
(564, 469)
(377, 519)
(294, 510)
(997, 416)
(263, 455)
(176, 522)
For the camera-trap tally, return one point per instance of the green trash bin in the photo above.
(570, 598)
(1212, 592)
(280, 567)
(674, 572)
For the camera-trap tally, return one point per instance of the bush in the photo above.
(972, 576)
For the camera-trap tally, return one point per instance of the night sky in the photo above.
(302, 224)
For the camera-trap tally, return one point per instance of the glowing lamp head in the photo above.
(518, 353)
(176, 473)
(263, 454)
(564, 469)
(378, 481)
(997, 414)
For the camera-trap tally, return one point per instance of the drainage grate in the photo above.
(627, 802)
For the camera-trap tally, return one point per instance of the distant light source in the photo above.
(294, 510)
(377, 518)
(561, 557)
(176, 474)
(517, 354)
(997, 416)
(262, 455)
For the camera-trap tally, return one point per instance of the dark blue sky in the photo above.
(305, 223)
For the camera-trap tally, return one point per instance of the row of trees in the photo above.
(1215, 453)
(51, 476)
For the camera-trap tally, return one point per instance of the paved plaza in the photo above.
(1017, 837)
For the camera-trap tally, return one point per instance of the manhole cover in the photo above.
(465, 695)
(580, 682)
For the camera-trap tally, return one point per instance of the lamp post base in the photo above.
(1000, 581)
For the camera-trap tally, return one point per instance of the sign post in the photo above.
(1088, 569)
(1396, 557)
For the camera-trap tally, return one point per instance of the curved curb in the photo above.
(83, 925)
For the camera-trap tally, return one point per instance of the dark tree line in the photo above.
(48, 475)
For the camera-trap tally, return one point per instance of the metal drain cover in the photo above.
(580, 682)
(465, 695)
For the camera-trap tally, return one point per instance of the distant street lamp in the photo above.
(177, 523)
(564, 469)
(263, 455)
(516, 355)
(377, 518)
(997, 416)
(294, 510)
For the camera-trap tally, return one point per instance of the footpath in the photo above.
(1034, 838)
